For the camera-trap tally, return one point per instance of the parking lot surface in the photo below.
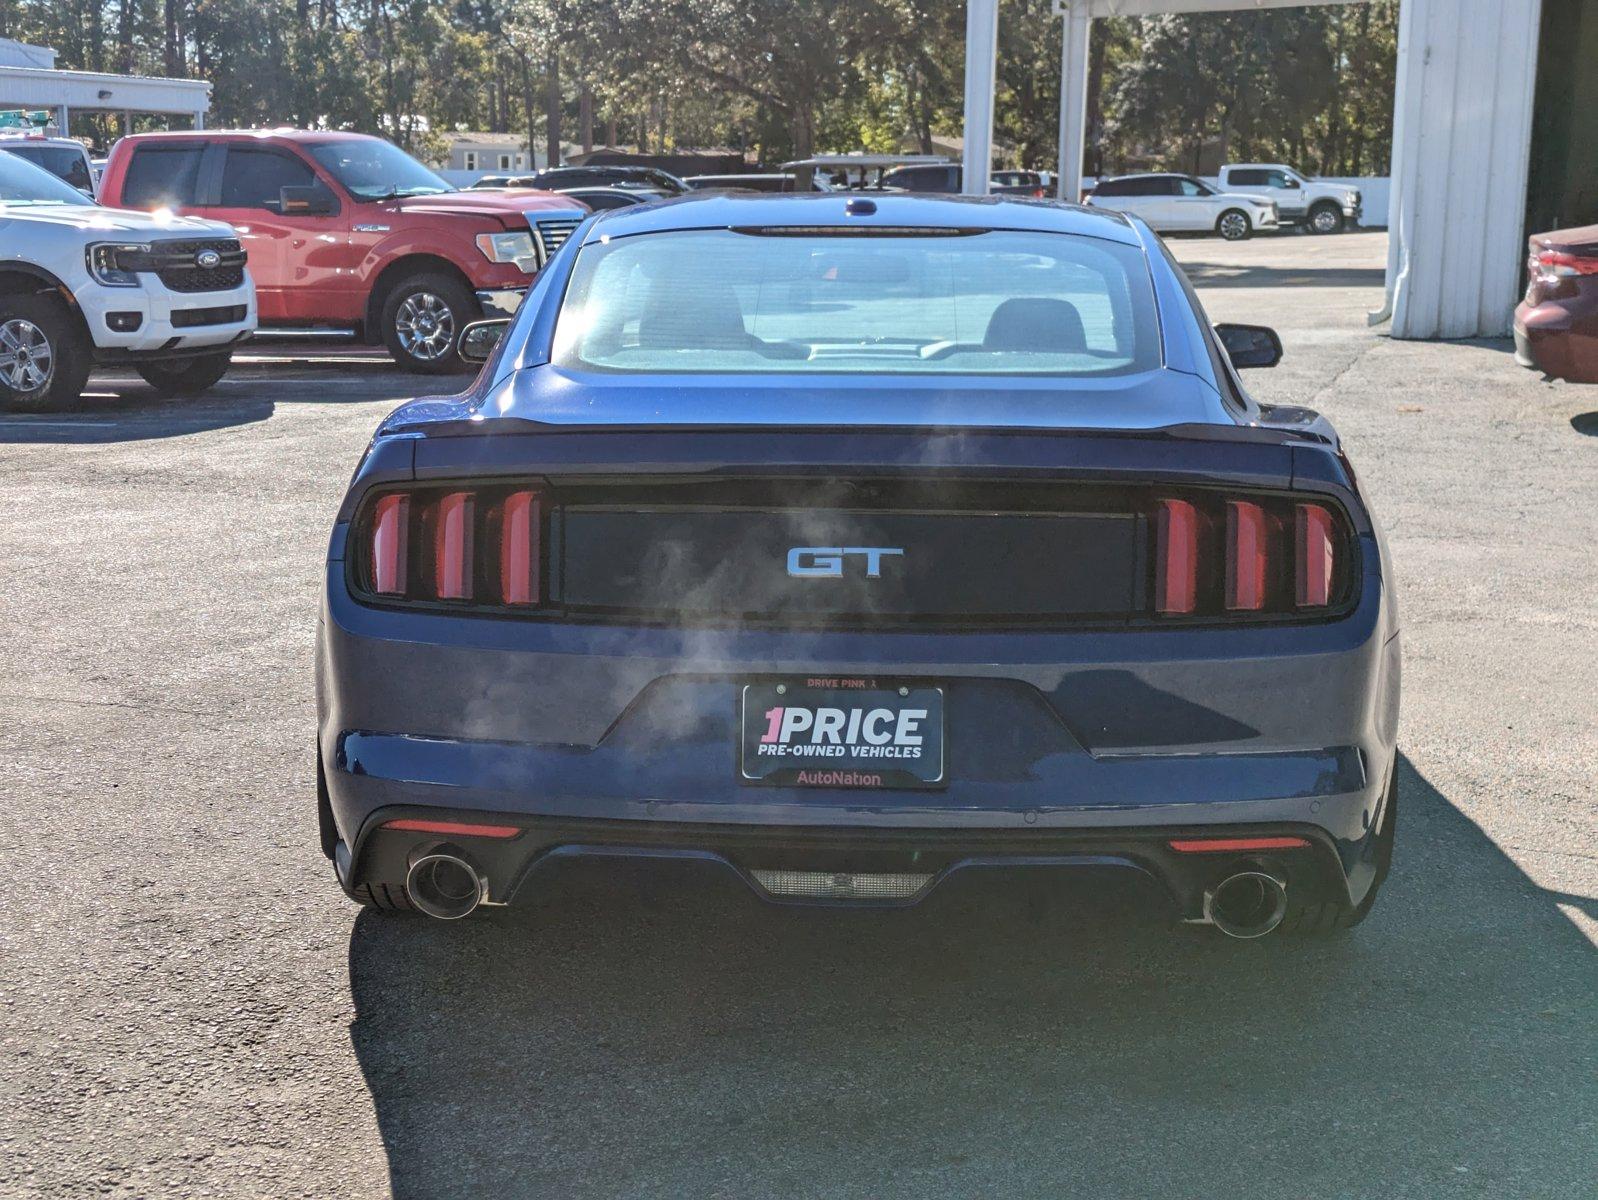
(189, 1006)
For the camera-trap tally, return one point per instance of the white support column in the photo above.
(981, 65)
(199, 118)
(1075, 40)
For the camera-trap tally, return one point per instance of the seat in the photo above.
(713, 321)
(1036, 325)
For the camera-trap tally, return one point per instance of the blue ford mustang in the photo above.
(850, 544)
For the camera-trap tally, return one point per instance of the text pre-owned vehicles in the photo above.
(851, 544)
(81, 284)
(1183, 204)
(65, 158)
(1318, 207)
(346, 231)
(1556, 325)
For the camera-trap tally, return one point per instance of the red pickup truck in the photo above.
(346, 231)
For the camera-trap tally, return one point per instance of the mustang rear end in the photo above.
(849, 545)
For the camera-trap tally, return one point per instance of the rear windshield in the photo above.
(917, 302)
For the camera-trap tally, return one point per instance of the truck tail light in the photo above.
(475, 547)
(1561, 264)
(1216, 557)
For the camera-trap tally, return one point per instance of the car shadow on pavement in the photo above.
(132, 414)
(1228, 275)
(628, 1036)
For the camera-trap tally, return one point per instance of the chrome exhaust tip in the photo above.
(1249, 904)
(445, 886)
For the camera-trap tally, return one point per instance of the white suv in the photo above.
(1183, 204)
(81, 284)
(1318, 207)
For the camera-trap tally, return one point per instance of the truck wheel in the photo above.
(1234, 225)
(186, 376)
(44, 354)
(1326, 218)
(422, 318)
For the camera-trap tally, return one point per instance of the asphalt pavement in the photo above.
(189, 1006)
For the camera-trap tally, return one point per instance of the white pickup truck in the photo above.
(81, 284)
(1318, 207)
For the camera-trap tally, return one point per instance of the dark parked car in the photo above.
(601, 198)
(946, 179)
(782, 182)
(849, 544)
(558, 179)
(1556, 326)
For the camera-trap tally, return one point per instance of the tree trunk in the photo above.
(552, 107)
(610, 130)
(125, 37)
(173, 60)
(1096, 54)
(528, 106)
(585, 118)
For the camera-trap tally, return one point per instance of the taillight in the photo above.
(1559, 264)
(479, 546)
(1176, 557)
(1262, 555)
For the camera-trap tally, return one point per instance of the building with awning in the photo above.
(1495, 135)
(29, 79)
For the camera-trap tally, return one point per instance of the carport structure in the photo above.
(1462, 131)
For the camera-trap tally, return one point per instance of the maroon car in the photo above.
(1556, 326)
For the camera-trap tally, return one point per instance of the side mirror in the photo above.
(1291, 184)
(309, 201)
(479, 339)
(1250, 345)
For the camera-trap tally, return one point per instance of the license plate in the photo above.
(850, 733)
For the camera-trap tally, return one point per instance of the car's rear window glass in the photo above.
(923, 302)
(163, 177)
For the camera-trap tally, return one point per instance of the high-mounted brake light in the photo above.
(390, 543)
(1315, 556)
(1176, 557)
(1247, 555)
(452, 546)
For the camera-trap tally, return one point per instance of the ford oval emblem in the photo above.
(208, 260)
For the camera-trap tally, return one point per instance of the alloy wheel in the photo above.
(1325, 221)
(1234, 226)
(425, 326)
(27, 360)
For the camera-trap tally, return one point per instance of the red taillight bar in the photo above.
(1236, 845)
(452, 546)
(1176, 557)
(519, 549)
(453, 828)
(1315, 556)
(1568, 264)
(390, 544)
(1247, 554)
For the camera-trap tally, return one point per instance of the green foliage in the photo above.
(775, 78)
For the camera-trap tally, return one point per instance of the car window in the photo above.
(1244, 177)
(22, 183)
(1278, 179)
(255, 178)
(163, 177)
(61, 161)
(1146, 185)
(1191, 187)
(723, 301)
(1113, 187)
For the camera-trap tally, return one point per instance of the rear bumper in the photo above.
(839, 867)
(1559, 338)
